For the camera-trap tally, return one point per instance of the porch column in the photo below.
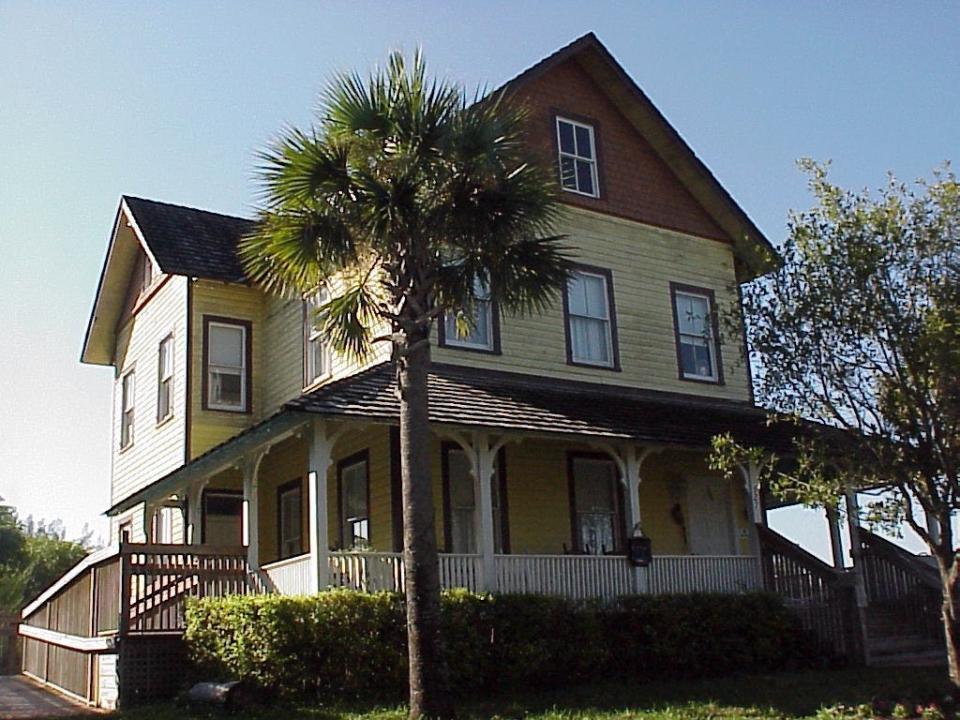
(633, 458)
(195, 512)
(933, 526)
(485, 454)
(251, 506)
(320, 459)
(836, 547)
(147, 520)
(755, 512)
(856, 546)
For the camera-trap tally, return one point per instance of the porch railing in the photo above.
(704, 573)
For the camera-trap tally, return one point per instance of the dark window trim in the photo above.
(620, 531)
(295, 484)
(203, 511)
(611, 311)
(205, 381)
(676, 287)
(396, 490)
(495, 329)
(357, 457)
(500, 479)
(131, 369)
(173, 376)
(566, 195)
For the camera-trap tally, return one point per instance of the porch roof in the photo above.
(465, 397)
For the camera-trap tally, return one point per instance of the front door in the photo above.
(223, 518)
(709, 517)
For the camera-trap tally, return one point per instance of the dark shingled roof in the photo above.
(528, 403)
(187, 241)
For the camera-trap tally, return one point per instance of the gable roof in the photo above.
(188, 241)
(754, 249)
(178, 240)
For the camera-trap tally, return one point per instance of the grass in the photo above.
(774, 697)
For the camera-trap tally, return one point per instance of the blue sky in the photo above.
(171, 101)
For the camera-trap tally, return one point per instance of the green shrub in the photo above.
(346, 643)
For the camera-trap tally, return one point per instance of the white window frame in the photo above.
(481, 296)
(128, 398)
(165, 374)
(607, 318)
(243, 369)
(710, 340)
(576, 157)
(296, 540)
(312, 335)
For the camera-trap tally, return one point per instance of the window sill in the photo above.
(164, 420)
(594, 366)
(702, 380)
(469, 348)
(125, 448)
(231, 411)
(319, 381)
(580, 193)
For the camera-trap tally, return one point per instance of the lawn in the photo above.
(788, 695)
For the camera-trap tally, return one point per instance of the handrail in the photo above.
(94, 558)
(903, 559)
(811, 562)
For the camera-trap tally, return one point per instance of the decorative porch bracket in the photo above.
(195, 511)
(322, 440)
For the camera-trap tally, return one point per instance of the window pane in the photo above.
(695, 358)
(692, 315)
(593, 485)
(568, 173)
(128, 389)
(354, 489)
(583, 143)
(315, 359)
(226, 346)
(226, 387)
(576, 295)
(566, 137)
(595, 296)
(163, 400)
(585, 177)
(589, 339)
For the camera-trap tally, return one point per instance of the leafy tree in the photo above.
(859, 331)
(40, 555)
(403, 198)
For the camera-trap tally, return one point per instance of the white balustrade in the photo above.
(290, 576)
(577, 577)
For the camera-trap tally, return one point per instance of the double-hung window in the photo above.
(596, 505)
(354, 496)
(460, 503)
(578, 157)
(165, 379)
(127, 401)
(315, 357)
(227, 365)
(482, 335)
(590, 321)
(697, 351)
(290, 522)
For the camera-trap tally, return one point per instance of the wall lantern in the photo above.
(639, 551)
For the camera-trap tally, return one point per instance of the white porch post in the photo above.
(933, 526)
(251, 506)
(836, 546)
(485, 455)
(756, 513)
(320, 459)
(147, 520)
(195, 512)
(856, 546)
(633, 458)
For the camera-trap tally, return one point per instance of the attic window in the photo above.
(578, 157)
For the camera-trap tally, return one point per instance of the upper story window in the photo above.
(127, 401)
(591, 324)
(147, 277)
(484, 335)
(578, 157)
(354, 491)
(227, 361)
(694, 322)
(315, 355)
(290, 520)
(165, 379)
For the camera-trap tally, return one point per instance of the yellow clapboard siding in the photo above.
(157, 448)
(643, 260)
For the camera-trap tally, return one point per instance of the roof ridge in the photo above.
(179, 206)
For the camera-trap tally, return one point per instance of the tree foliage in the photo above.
(858, 331)
(32, 555)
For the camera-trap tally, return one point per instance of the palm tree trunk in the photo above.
(428, 689)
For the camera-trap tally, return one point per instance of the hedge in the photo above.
(347, 643)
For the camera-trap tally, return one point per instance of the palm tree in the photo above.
(403, 198)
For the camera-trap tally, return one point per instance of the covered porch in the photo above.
(536, 491)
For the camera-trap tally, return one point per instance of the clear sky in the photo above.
(171, 100)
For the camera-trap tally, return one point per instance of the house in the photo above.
(250, 457)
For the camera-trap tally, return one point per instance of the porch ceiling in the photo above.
(463, 396)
